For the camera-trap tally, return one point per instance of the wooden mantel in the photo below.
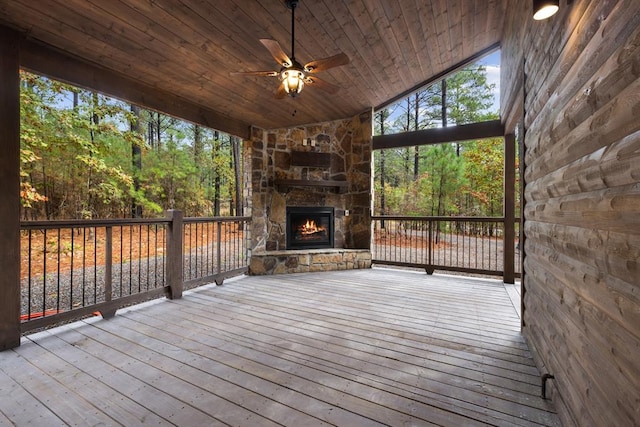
(284, 184)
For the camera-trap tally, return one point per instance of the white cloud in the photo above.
(493, 77)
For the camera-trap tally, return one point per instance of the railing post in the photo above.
(10, 189)
(430, 268)
(108, 272)
(509, 208)
(174, 253)
(219, 246)
(219, 280)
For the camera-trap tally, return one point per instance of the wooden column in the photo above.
(509, 207)
(174, 254)
(9, 189)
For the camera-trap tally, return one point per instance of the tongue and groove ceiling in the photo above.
(187, 48)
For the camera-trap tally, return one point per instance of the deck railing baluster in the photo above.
(108, 264)
(47, 300)
(461, 244)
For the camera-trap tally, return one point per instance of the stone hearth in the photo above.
(328, 165)
(309, 260)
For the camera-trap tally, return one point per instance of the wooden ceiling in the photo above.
(188, 48)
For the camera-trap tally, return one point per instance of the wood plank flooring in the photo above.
(350, 348)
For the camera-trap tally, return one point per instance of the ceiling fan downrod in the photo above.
(292, 4)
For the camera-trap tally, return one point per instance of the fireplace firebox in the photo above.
(309, 227)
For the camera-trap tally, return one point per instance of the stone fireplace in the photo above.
(323, 168)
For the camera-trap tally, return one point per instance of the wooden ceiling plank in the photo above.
(409, 36)
(108, 54)
(185, 46)
(440, 22)
(469, 16)
(401, 63)
(365, 78)
(428, 30)
(318, 41)
(454, 16)
(375, 45)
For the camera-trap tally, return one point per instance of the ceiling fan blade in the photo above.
(277, 52)
(255, 73)
(326, 63)
(280, 92)
(316, 82)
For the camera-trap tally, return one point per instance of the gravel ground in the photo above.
(82, 287)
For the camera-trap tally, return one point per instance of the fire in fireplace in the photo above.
(309, 227)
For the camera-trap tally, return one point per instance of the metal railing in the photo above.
(214, 249)
(463, 244)
(73, 269)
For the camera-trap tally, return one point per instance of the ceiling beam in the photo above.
(52, 63)
(481, 130)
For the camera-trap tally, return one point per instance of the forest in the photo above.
(456, 179)
(85, 155)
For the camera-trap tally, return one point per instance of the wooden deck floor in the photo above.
(354, 348)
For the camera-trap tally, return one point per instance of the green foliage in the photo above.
(484, 173)
(469, 96)
(77, 157)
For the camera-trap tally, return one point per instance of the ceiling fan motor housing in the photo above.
(291, 3)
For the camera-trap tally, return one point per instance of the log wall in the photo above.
(576, 78)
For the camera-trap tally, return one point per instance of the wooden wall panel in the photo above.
(581, 280)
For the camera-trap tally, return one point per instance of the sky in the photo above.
(492, 65)
(492, 62)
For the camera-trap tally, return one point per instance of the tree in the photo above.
(484, 173)
(237, 169)
(136, 159)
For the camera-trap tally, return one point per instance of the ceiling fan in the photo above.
(293, 76)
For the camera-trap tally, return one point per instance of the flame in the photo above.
(310, 227)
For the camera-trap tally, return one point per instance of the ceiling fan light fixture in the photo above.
(543, 9)
(293, 81)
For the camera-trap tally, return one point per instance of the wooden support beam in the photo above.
(175, 254)
(509, 207)
(9, 189)
(489, 129)
(54, 64)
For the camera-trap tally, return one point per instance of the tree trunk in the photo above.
(158, 130)
(136, 160)
(382, 171)
(150, 132)
(444, 103)
(416, 125)
(216, 183)
(198, 145)
(235, 146)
